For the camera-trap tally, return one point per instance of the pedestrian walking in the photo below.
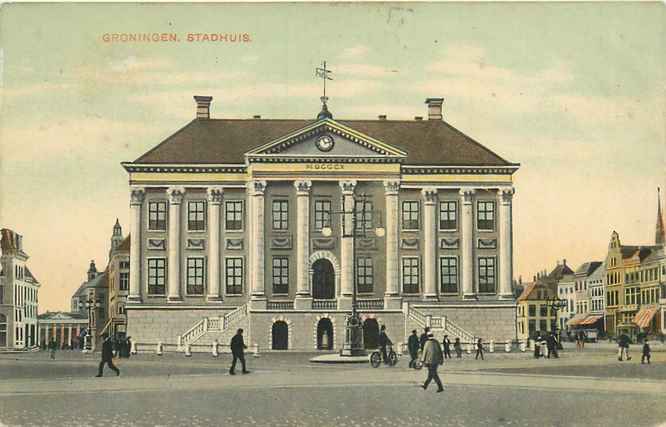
(238, 351)
(432, 357)
(457, 346)
(583, 336)
(479, 350)
(551, 343)
(646, 352)
(53, 347)
(446, 344)
(384, 341)
(424, 337)
(413, 347)
(129, 347)
(107, 356)
(623, 348)
(578, 343)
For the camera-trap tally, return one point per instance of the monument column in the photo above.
(467, 242)
(392, 298)
(504, 196)
(215, 195)
(175, 201)
(430, 243)
(257, 295)
(303, 299)
(346, 246)
(137, 196)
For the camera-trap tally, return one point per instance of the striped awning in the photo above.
(591, 320)
(577, 319)
(644, 316)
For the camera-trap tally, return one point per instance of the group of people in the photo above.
(549, 342)
(623, 349)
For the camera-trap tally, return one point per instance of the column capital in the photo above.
(429, 195)
(175, 195)
(215, 194)
(347, 187)
(137, 194)
(467, 194)
(391, 187)
(303, 187)
(505, 195)
(257, 187)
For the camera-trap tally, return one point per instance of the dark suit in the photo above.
(107, 358)
(238, 351)
(447, 348)
(413, 346)
(383, 342)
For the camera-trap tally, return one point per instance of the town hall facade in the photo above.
(239, 223)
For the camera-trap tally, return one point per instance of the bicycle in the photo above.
(376, 357)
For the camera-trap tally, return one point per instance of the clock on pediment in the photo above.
(324, 143)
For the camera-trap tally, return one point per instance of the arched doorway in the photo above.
(325, 334)
(370, 334)
(323, 279)
(280, 335)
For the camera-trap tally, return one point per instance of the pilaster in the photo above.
(215, 197)
(505, 196)
(303, 295)
(347, 246)
(430, 243)
(137, 196)
(467, 242)
(176, 195)
(392, 296)
(257, 285)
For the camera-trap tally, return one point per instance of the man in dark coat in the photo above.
(384, 341)
(238, 351)
(446, 343)
(413, 347)
(424, 337)
(432, 357)
(107, 356)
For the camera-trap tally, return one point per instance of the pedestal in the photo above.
(392, 303)
(258, 303)
(344, 303)
(302, 303)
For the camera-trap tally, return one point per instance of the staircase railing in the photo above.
(440, 323)
(212, 324)
(195, 332)
(233, 316)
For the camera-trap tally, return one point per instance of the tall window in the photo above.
(322, 212)
(410, 275)
(233, 277)
(410, 215)
(124, 281)
(280, 215)
(448, 216)
(233, 215)
(487, 275)
(532, 310)
(157, 216)
(543, 310)
(195, 276)
(485, 211)
(2, 294)
(3, 330)
(448, 273)
(364, 274)
(156, 276)
(196, 215)
(280, 275)
(364, 215)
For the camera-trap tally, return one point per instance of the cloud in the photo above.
(364, 70)
(35, 89)
(354, 52)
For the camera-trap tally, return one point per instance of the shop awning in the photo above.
(590, 320)
(644, 316)
(575, 321)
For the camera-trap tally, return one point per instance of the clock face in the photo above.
(325, 143)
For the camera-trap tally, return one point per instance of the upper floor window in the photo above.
(157, 215)
(448, 273)
(363, 215)
(233, 275)
(322, 214)
(448, 215)
(196, 215)
(532, 310)
(410, 215)
(280, 275)
(233, 215)
(156, 276)
(195, 276)
(364, 274)
(124, 281)
(487, 274)
(124, 264)
(410, 275)
(485, 211)
(280, 214)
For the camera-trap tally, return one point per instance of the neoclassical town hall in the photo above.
(240, 223)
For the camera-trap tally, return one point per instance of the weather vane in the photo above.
(324, 74)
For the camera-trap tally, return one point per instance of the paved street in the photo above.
(589, 389)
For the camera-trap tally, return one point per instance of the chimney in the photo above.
(418, 118)
(434, 108)
(203, 106)
(382, 117)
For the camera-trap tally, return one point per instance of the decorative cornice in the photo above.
(215, 195)
(131, 167)
(391, 187)
(467, 194)
(137, 194)
(429, 195)
(347, 187)
(323, 159)
(175, 195)
(458, 170)
(303, 187)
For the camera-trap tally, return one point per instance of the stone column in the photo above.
(467, 242)
(430, 243)
(175, 201)
(69, 343)
(504, 196)
(215, 195)
(392, 298)
(346, 247)
(136, 202)
(303, 299)
(258, 298)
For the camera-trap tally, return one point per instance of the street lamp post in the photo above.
(91, 304)
(353, 345)
(556, 304)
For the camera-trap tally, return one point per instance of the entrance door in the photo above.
(280, 335)
(370, 334)
(323, 280)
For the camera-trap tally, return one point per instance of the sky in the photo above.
(572, 92)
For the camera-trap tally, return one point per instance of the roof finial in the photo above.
(323, 73)
(660, 232)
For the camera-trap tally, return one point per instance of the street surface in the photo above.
(579, 389)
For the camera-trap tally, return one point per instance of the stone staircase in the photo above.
(439, 325)
(208, 329)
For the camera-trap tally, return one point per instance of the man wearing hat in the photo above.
(107, 356)
(413, 346)
(432, 357)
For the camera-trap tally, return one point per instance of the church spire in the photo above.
(660, 233)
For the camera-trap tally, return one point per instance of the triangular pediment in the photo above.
(326, 138)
